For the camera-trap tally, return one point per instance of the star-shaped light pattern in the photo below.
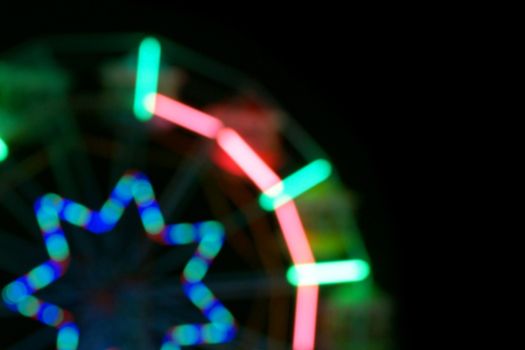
(133, 186)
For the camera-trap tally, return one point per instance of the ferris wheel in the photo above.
(151, 198)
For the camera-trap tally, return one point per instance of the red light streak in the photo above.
(264, 178)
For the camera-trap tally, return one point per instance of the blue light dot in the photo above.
(221, 315)
(182, 234)
(124, 188)
(67, 338)
(41, 276)
(196, 269)
(214, 333)
(15, 292)
(57, 247)
(51, 315)
(143, 192)
(212, 230)
(209, 249)
(77, 214)
(47, 219)
(169, 346)
(28, 306)
(201, 296)
(112, 211)
(212, 234)
(53, 201)
(153, 220)
(186, 335)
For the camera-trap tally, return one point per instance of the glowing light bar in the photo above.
(292, 228)
(305, 318)
(295, 185)
(294, 234)
(246, 158)
(4, 150)
(147, 76)
(183, 115)
(328, 272)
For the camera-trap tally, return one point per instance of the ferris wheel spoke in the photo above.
(247, 286)
(18, 255)
(302, 141)
(234, 286)
(195, 62)
(69, 161)
(184, 179)
(170, 261)
(128, 153)
(171, 201)
(22, 174)
(21, 211)
(80, 162)
(241, 217)
(61, 169)
(64, 176)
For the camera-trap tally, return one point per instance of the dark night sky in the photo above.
(352, 70)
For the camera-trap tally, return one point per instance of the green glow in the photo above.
(182, 234)
(15, 292)
(47, 220)
(221, 315)
(67, 338)
(41, 276)
(147, 76)
(214, 230)
(213, 333)
(4, 150)
(143, 192)
(125, 187)
(153, 220)
(186, 335)
(111, 211)
(57, 247)
(77, 214)
(52, 315)
(328, 272)
(295, 184)
(169, 346)
(196, 269)
(211, 242)
(53, 201)
(201, 296)
(209, 249)
(28, 306)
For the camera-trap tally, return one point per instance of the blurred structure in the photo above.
(67, 117)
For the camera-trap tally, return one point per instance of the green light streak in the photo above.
(4, 150)
(147, 76)
(295, 184)
(328, 272)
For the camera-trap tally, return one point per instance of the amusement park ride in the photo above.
(151, 198)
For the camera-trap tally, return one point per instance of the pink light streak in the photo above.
(183, 115)
(305, 318)
(294, 234)
(264, 178)
(246, 158)
(291, 226)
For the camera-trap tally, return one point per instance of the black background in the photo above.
(349, 76)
